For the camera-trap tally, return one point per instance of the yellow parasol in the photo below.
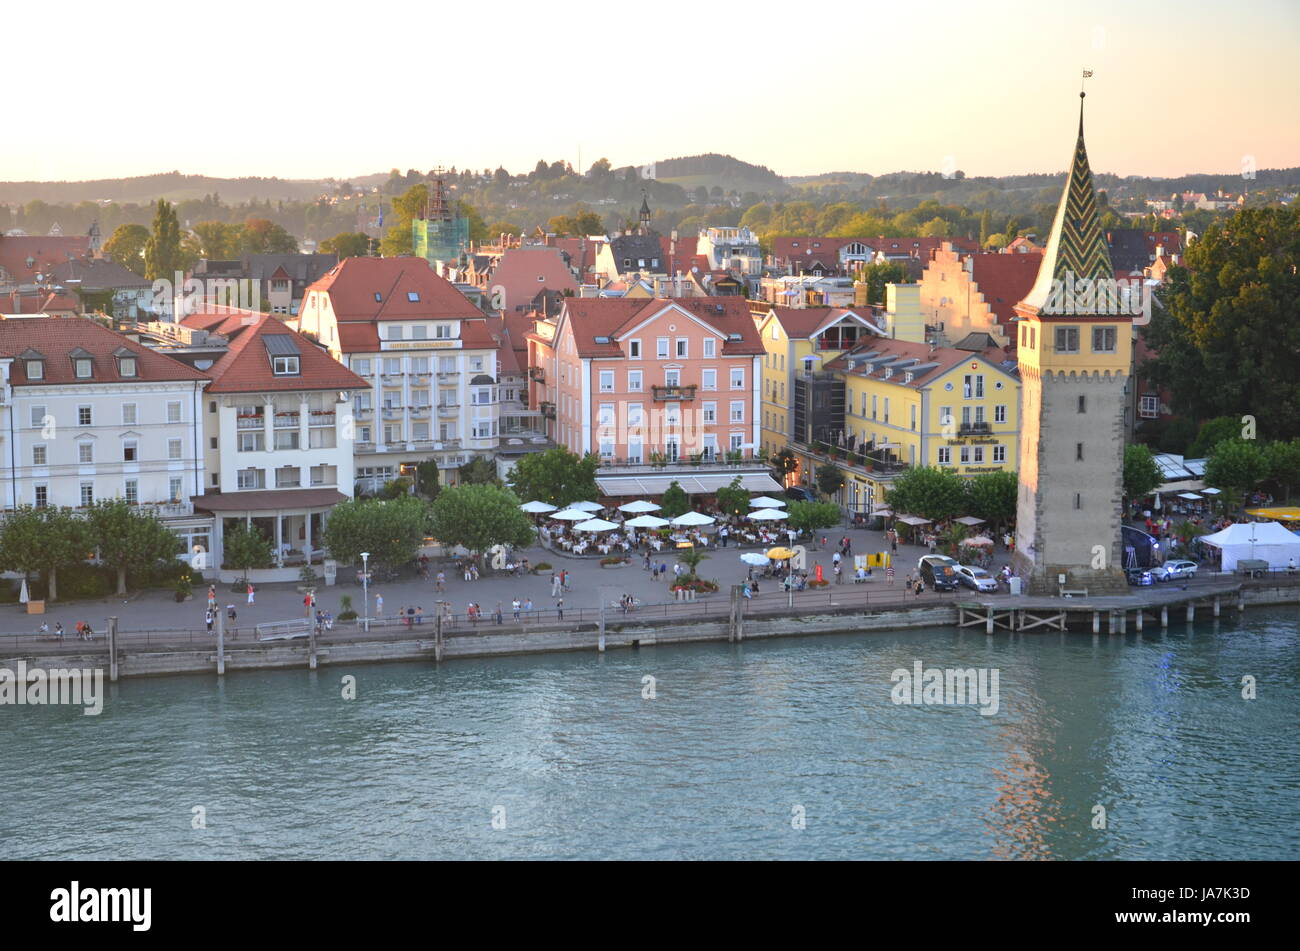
(780, 554)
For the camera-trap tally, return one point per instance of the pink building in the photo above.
(638, 380)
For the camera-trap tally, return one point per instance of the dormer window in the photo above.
(126, 366)
(84, 368)
(35, 369)
(285, 366)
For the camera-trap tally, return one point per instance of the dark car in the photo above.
(1139, 576)
(938, 573)
(799, 494)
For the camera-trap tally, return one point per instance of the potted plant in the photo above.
(613, 561)
(345, 608)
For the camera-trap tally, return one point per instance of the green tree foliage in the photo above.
(556, 476)
(126, 246)
(786, 463)
(1228, 334)
(478, 517)
(1141, 474)
(44, 540)
(1283, 460)
(733, 499)
(928, 491)
(162, 252)
(128, 539)
(478, 471)
(1213, 432)
(829, 479)
(391, 530)
(992, 496)
(427, 479)
(347, 244)
(578, 223)
(406, 208)
(813, 516)
(876, 276)
(263, 236)
(215, 240)
(1237, 464)
(675, 501)
(245, 548)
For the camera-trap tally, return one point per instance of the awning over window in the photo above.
(622, 486)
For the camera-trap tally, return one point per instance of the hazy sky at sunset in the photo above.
(305, 90)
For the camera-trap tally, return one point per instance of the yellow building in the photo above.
(799, 341)
(908, 404)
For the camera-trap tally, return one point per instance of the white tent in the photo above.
(537, 508)
(765, 502)
(572, 515)
(646, 521)
(595, 525)
(587, 506)
(1268, 541)
(767, 515)
(639, 507)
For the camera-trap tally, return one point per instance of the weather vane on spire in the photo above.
(1087, 74)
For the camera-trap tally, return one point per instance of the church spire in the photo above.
(1076, 247)
(645, 213)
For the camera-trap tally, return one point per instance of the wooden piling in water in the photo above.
(1191, 611)
(1096, 622)
(1164, 615)
(1216, 605)
(1137, 618)
(1123, 621)
(112, 650)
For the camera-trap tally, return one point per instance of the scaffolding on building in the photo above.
(441, 235)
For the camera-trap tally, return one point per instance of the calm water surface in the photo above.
(564, 747)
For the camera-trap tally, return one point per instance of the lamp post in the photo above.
(365, 589)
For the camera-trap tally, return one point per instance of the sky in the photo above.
(316, 91)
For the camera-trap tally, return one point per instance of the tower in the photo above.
(645, 214)
(1075, 355)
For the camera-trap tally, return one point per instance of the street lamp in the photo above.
(365, 588)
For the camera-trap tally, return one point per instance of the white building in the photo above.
(731, 249)
(87, 414)
(426, 356)
(277, 452)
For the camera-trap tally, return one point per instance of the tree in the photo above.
(556, 476)
(691, 558)
(1283, 460)
(675, 501)
(986, 226)
(733, 499)
(215, 240)
(245, 547)
(933, 492)
(44, 540)
(126, 246)
(478, 471)
(876, 276)
(813, 516)
(829, 479)
(410, 204)
(786, 464)
(1213, 432)
(347, 244)
(479, 517)
(128, 539)
(263, 236)
(992, 496)
(1226, 338)
(162, 252)
(1141, 474)
(1237, 464)
(427, 479)
(391, 530)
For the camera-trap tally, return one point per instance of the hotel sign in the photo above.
(422, 344)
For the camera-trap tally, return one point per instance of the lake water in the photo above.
(561, 756)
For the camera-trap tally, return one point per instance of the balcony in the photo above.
(420, 412)
(250, 422)
(287, 420)
(445, 444)
(321, 419)
(363, 412)
(393, 412)
(168, 509)
(448, 410)
(672, 394)
(975, 429)
(537, 374)
(548, 410)
(449, 376)
(421, 377)
(877, 463)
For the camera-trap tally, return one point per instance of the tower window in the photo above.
(1067, 339)
(1078, 501)
(1083, 404)
(1078, 453)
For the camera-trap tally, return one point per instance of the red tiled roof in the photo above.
(55, 338)
(358, 338)
(1004, 280)
(267, 500)
(522, 272)
(581, 251)
(826, 250)
(594, 317)
(803, 322)
(246, 365)
(46, 251)
(353, 283)
(945, 357)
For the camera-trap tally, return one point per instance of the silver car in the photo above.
(977, 578)
(1176, 570)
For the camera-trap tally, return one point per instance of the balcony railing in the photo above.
(321, 419)
(250, 422)
(422, 377)
(392, 412)
(537, 374)
(548, 410)
(975, 429)
(448, 410)
(873, 462)
(448, 376)
(672, 393)
(419, 412)
(363, 412)
(287, 420)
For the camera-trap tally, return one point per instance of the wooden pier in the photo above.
(1030, 612)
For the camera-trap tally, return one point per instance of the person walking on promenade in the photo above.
(559, 609)
(889, 575)
(528, 607)
(496, 615)
(212, 596)
(379, 605)
(419, 615)
(230, 612)
(645, 562)
(440, 583)
(208, 618)
(410, 617)
(514, 606)
(555, 585)
(250, 592)
(58, 630)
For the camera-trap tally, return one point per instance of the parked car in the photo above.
(1139, 576)
(975, 577)
(799, 494)
(1175, 570)
(938, 572)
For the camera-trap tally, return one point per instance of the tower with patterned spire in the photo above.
(645, 214)
(1075, 354)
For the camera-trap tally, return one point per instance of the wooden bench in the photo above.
(1074, 592)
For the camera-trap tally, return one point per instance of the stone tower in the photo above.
(1075, 354)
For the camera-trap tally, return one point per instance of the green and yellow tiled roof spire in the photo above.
(1077, 244)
